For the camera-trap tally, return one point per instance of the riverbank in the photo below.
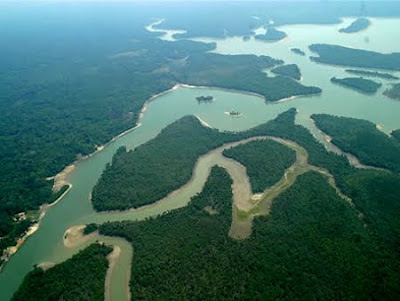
(10, 251)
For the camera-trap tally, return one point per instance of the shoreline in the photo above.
(10, 251)
(60, 179)
(112, 260)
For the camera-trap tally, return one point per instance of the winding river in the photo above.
(47, 245)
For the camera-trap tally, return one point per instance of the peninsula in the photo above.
(358, 25)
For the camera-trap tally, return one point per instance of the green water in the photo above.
(47, 244)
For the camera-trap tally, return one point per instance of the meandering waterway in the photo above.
(47, 245)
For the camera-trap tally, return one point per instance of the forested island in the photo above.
(204, 99)
(298, 51)
(358, 83)
(272, 35)
(393, 92)
(79, 278)
(362, 139)
(356, 26)
(265, 161)
(372, 74)
(344, 56)
(292, 71)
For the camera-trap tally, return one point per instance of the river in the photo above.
(46, 245)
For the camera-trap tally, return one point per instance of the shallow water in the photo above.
(47, 244)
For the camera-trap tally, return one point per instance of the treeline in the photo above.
(292, 71)
(265, 162)
(79, 278)
(393, 92)
(356, 26)
(358, 84)
(362, 139)
(71, 97)
(372, 74)
(241, 72)
(312, 246)
(396, 134)
(339, 55)
(156, 168)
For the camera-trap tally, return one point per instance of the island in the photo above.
(358, 83)
(234, 113)
(204, 99)
(272, 35)
(372, 74)
(358, 25)
(393, 92)
(298, 51)
(292, 71)
(344, 56)
(246, 38)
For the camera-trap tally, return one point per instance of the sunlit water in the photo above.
(47, 244)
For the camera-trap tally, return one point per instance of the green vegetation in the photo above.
(339, 55)
(358, 83)
(396, 134)
(205, 99)
(358, 25)
(75, 95)
(265, 161)
(362, 139)
(372, 74)
(156, 168)
(393, 92)
(298, 51)
(310, 229)
(79, 278)
(240, 72)
(271, 35)
(292, 71)
(90, 228)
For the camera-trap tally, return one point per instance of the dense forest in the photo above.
(396, 134)
(272, 35)
(356, 26)
(336, 251)
(358, 83)
(79, 278)
(362, 139)
(292, 71)
(298, 51)
(265, 162)
(339, 55)
(156, 168)
(78, 92)
(393, 92)
(243, 73)
(313, 243)
(372, 74)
